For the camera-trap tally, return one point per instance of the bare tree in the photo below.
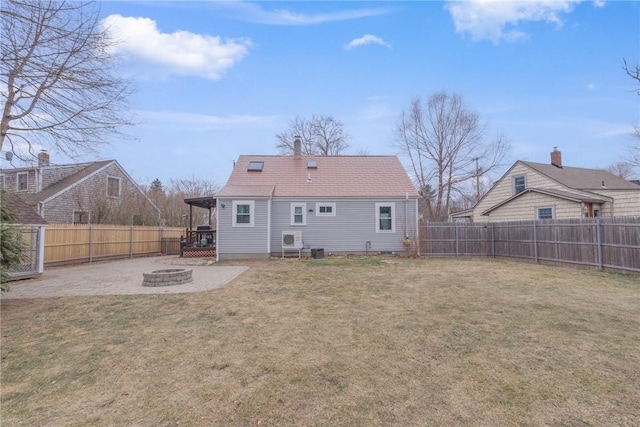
(174, 211)
(444, 143)
(320, 136)
(59, 86)
(621, 169)
(633, 153)
(633, 72)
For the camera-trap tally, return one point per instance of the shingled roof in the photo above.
(582, 179)
(24, 214)
(319, 176)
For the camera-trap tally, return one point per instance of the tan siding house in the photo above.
(529, 191)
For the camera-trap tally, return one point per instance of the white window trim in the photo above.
(553, 212)
(514, 183)
(119, 187)
(18, 181)
(304, 214)
(252, 212)
(393, 217)
(333, 209)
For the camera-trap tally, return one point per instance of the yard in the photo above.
(335, 342)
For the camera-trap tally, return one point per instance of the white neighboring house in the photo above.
(536, 191)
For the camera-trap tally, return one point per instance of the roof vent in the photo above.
(312, 164)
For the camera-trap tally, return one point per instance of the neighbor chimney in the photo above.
(43, 158)
(556, 157)
(297, 147)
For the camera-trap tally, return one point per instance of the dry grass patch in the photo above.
(335, 342)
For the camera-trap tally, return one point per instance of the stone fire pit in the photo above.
(167, 277)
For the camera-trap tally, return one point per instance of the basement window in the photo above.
(255, 166)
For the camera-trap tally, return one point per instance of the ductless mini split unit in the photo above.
(292, 239)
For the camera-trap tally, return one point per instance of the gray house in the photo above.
(81, 193)
(272, 205)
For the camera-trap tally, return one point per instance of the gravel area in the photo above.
(122, 277)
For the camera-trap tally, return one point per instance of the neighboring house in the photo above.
(81, 193)
(32, 228)
(341, 204)
(529, 191)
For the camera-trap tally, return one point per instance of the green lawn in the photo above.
(335, 342)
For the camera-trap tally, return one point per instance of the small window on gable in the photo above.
(544, 213)
(298, 214)
(519, 184)
(255, 166)
(113, 186)
(80, 217)
(23, 181)
(325, 209)
(312, 164)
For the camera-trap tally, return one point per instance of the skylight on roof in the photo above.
(312, 164)
(255, 166)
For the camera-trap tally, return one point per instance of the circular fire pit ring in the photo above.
(167, 277)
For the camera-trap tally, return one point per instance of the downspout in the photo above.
(269, 225)
(406, 218)
(217, 211)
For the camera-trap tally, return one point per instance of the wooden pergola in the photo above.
(202, 239)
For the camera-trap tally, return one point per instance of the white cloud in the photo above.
(365, 40)
(497, 20)
(201, 122)
(591, 86)
(181, 52)
(253, 12)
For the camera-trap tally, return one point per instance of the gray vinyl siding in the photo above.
(348, 231)
(242, 242)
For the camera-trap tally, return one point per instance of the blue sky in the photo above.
(219, 79)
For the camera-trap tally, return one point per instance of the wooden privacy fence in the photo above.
(77, 243)
(601, 242)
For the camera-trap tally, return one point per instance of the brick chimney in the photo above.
(43, 158)
(556, 157)
(297, 147)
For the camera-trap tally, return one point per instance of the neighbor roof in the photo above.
(582, 179)
(566, 195)
(333, 176)
(63, 184)
(23, 213)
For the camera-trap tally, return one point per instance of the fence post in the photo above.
(457, 249)
(599, 243)
(131, 241)
(493, 241)
(535, 242)
(90, 243)
(160, 242)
